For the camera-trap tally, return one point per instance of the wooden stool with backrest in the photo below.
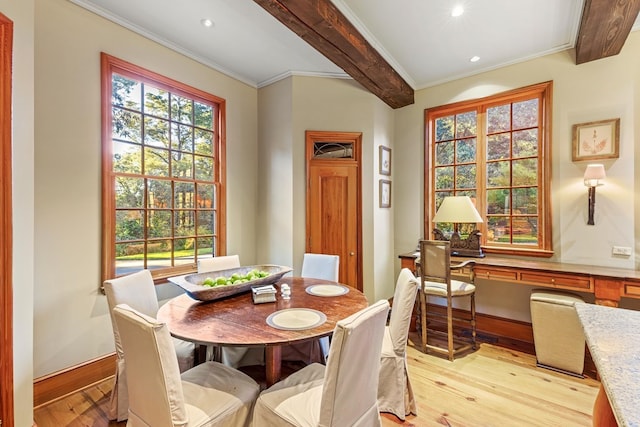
(435, 280)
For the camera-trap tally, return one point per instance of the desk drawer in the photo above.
(495, 274)
(632, 289)
(557, 280)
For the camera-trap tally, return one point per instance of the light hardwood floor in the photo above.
(492, 386)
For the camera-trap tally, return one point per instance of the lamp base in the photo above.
(469, 247)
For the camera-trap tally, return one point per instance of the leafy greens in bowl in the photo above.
(198, 285)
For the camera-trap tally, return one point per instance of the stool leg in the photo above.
(450, 327)
(473, 321)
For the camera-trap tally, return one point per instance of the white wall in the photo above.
(71, 323)
(21, 13)
(598, 90)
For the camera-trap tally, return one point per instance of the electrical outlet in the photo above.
(622, 250)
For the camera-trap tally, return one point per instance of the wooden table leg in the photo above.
(200, 354)
(273, 362)
(602, 412)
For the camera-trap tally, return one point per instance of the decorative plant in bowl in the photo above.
(213, 285)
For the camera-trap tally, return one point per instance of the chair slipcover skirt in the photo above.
(395, 394)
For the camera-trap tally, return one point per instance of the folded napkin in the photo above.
(262, 294)
(268, 289)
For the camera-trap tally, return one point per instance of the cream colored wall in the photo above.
(71, 323)
(382, 233)
(21, 13)
(275, 172)
(288, 109)
(343, 105)
(598, 90)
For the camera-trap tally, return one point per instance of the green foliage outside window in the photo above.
(163, 164)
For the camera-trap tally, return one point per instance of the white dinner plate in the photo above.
(327, 290)
(296, 319)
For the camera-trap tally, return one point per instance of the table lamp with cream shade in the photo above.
(457, 210)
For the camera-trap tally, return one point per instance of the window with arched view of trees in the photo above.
(496, 151)
(163, 162)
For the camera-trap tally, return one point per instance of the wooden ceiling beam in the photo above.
(324, 27)
(604, 28)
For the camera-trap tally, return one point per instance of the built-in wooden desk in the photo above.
(607, 284)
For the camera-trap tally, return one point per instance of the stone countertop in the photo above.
(613, 337)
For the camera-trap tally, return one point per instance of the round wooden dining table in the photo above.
(237, 321)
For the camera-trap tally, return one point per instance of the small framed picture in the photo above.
(385, 193)
(385, 160)
(596, 140)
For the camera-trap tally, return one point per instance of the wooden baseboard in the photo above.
(498, 327)
(62, 383)
(508, 333)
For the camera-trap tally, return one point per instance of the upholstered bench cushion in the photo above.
(557, 332)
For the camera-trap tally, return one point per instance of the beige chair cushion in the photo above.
(295, 399)
(439, 289)
(213, 388)
(395, 394)
(346, 395)
(138, 291)
(557, 331)
(210, 394)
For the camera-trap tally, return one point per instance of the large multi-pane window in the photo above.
(496, 151)
(163, 160)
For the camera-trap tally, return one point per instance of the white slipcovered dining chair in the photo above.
(395, 394)
(321, 266)
(138, 291)
(230, 356)
(314, 266)
(344, 393)
(216, 263)
(210, 394)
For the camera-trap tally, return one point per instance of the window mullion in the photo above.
(481, 166)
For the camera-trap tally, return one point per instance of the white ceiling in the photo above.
(419, 38)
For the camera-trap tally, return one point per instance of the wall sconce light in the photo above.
(459, 209)
(593, 177)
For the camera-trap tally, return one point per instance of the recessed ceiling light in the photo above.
(474, 59)
(457, 11)
(206, 22)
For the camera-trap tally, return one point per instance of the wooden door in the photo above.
(334, 200)
(6, 239)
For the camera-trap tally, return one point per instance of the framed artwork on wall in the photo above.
(596, 140)
(385, 160)
(385, 193)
